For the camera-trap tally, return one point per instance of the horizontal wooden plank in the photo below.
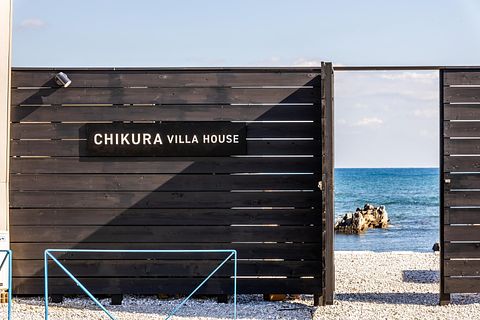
(184, 95)
(162, 217)
(173, 69)
(461, 129)
(34, 286)
(166, 165)
(167, 268)
(166, 113)
(462, 198)
(109, 234)
(461, 146)
(127, 199)
(461, 250)
(462, 268)
(165, 79)
(461, 163)
(463, 181)
(461, 233)
(462, 215)
(461, 77)
(74, 148)
(161, 182)
(461, 95)
(77, 130)
(258, 250)
(461, 285)
(461, 111)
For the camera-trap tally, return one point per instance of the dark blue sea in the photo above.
(411, 197)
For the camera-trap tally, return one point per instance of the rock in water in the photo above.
(363, 219)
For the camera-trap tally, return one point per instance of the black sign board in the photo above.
(167, 139)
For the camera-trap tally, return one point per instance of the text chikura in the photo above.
(158, 139)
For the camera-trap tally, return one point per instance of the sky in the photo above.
(382, 119)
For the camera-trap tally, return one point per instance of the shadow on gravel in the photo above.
(421, 276)
(390, 298)
(251, 306)
(412, 298)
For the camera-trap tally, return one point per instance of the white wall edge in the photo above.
(5, 74)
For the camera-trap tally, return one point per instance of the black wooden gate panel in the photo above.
(460, 181)
(267, 205)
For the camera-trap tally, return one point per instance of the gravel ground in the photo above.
(393, 286)
(368, 286)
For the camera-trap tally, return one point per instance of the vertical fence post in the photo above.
(444, 297)
(327, 183)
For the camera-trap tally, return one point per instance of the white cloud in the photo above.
(428, 113)
(369, 121)
(428, 133)
(274, 59)
(410, 86)
(360, 105)
(404, 109)
(307, 62)
(269, 61)
(33, 23)
(406, 75)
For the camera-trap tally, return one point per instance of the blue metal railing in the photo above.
(49, 254)
(8, 255)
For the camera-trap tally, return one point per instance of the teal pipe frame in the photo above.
(49, 254)
(8, 254)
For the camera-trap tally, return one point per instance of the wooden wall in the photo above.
(460, 181)
(267, 205)
(5, 61)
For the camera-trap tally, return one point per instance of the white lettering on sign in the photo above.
(158, 139)
(108, 139)
(182, 139)
(220, 138)
(126, 139)
(97, 139)
(136, 138)
(176, 139)
(147, 139)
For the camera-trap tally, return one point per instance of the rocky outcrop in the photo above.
(363, 219)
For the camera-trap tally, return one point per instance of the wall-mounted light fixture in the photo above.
(62, 80)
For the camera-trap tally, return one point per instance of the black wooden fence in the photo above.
(460, 181)
(267, 204)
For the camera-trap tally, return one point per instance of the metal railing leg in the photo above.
(45, 275)
(78, 283)
(10, 288)
(235, 285)
(172, 313)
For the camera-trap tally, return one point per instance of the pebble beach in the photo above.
(390, 285)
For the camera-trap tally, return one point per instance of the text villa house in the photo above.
(147, 139)
(167, 139)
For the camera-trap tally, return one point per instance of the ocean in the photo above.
(411, 197)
